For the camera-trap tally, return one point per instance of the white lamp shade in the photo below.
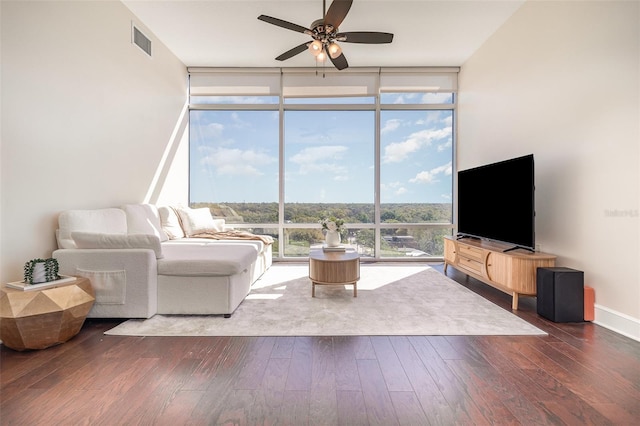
(334, 50)
(321, 57)
(315, 47)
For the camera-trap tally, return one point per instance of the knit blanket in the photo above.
(234, 234)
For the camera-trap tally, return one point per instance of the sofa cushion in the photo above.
(170, 222)
(92, 240)
(107, 221)
(259, 245)
(206, 259)
(144, 219)
(195, 221)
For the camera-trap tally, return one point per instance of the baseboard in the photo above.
(618, 322)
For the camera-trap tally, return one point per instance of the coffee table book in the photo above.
(337, 248)
(21, 285)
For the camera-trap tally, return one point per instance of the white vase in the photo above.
(39, 275)
(332, 239)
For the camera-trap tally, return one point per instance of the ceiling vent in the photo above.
(140, 40)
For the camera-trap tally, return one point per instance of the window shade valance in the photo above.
(418, 81)
(312, 82)
(226, 82)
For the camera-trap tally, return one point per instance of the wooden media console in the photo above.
(513, 272)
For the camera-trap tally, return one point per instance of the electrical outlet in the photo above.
(538, 247)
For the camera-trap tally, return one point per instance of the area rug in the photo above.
(392, 300)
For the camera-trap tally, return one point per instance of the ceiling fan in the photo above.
(325, 34)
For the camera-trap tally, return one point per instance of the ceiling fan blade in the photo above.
(340, 62)
(368, 37)
(284, 24)
(293, 52)
(337, 12)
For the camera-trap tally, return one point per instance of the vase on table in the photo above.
(39, 273)
(332, 239)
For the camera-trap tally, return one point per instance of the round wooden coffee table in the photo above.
(334, 268)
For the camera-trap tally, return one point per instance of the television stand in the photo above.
(512, 272)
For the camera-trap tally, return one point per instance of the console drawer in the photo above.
(470, 252)
(471, 265)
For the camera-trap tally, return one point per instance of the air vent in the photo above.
(141, 40)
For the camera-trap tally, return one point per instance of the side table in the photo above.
(334, 268)
(38, 319)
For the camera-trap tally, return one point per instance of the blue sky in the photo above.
(328, 156)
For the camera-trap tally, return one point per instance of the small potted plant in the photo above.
(41, 270)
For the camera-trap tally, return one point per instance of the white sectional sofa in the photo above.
(142, 260)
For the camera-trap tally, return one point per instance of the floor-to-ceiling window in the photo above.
(328, 171)
(416, 160)
(276, 151)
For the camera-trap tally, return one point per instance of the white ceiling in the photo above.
(227, 33)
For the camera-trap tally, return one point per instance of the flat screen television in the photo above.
(497, 202)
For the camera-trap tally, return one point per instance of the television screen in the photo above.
(496, 202)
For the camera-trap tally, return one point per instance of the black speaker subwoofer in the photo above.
(560, 295)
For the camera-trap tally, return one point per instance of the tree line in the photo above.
(313, 212)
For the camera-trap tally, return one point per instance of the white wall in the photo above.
(86, 119)
(561, 80)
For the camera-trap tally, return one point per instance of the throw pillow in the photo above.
(144, 219)
(170, 222)
(93, 240)
(196, 221)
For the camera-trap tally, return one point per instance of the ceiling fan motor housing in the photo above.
(323, 32)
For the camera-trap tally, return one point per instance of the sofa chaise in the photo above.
(143, 259)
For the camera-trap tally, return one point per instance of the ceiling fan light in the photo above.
(321, 57)
(315, 47)
(334, 50)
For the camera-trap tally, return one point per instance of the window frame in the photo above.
(417, 81)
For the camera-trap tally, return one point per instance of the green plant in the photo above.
(50, 270)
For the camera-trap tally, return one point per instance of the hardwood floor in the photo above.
(577, 375)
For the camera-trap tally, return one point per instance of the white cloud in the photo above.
(431, 176)
(390, 185)
(405, 98)
(212, 134)
(436, 98)
(238, 123)
(322, 159)
(436, 118)
(216, 128)
(444, 146)
(394, 187)
(210, 131)
(390, 125)
(319, 153)
(327, 169)
(400, 151)
(236, 162)
(424, 177)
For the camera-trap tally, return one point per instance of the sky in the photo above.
(329, 156)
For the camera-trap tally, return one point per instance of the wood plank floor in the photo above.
(580, 374)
